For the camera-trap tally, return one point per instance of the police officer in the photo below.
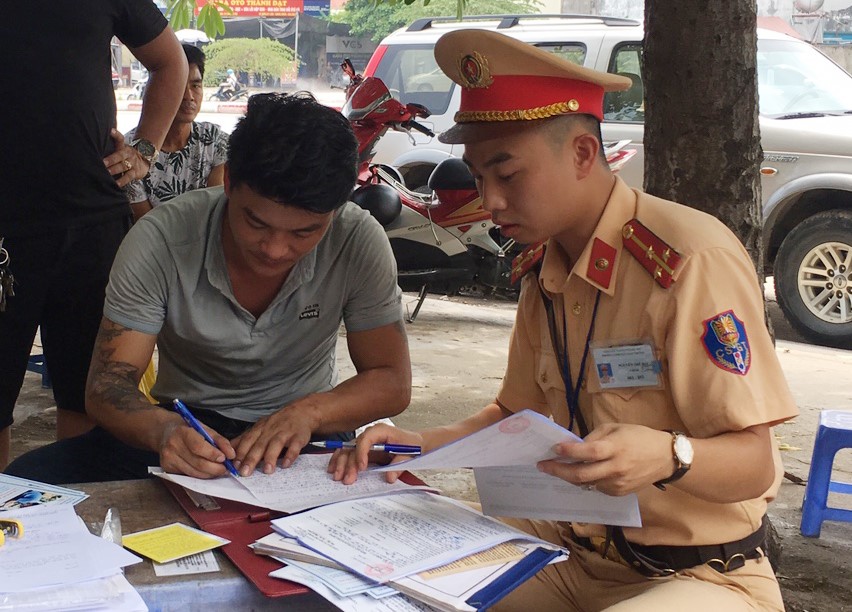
(640, 326)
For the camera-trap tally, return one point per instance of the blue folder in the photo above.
(525, 569)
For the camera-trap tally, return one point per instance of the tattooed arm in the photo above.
(114, 401)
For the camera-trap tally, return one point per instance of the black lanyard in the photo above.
(572, 389)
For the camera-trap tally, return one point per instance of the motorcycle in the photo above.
(443, 241)
(138, 91)
(228, 95)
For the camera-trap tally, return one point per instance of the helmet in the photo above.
(230, 71)
(381, 201)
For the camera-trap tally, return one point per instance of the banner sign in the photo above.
(262, 8)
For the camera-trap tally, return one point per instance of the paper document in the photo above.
(524, 438)
(355, 603)
(390, 537)
(522, 491)
(56, 549)
(170, 542)
(201, 563)
(17, 493)
(113, 593)
(305, 484)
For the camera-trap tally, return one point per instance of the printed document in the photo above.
(524, 492)
(524, 438)
(390, 537)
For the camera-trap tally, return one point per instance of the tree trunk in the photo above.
(702, 138)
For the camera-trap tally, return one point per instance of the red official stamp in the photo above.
(514, 424)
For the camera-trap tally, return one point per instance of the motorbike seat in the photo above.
(452, 173)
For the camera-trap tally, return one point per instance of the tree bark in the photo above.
(702, 137)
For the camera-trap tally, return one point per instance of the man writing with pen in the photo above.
(243, 288)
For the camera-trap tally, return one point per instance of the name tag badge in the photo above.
(626, 365)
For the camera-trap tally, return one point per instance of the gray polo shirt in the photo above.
(169, 278)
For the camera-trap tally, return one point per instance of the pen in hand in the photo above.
(190, 420)
(393, 449)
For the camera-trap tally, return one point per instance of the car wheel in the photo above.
(813, 278)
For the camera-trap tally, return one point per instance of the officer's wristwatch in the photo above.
(146, 150)
(683, 454)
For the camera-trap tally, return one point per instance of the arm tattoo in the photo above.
(114, 383)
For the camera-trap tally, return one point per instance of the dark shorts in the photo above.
(60, 278)
(98, 456)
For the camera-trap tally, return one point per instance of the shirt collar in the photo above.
(599, 261)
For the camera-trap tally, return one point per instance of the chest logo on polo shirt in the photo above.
(310, 312)
(726, 343)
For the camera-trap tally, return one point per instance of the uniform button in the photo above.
(576, 308)
(544, 377)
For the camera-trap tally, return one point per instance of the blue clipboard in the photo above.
(525, 569)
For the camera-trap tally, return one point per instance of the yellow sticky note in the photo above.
(164, 544)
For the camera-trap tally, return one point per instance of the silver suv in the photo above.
(805, 124)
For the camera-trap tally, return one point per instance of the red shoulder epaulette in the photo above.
(657, 257)
(527, 258)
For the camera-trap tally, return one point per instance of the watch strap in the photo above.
(680, 469)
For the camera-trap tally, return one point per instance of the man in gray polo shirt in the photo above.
(243, 289)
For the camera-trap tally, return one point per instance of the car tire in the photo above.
(813, 279)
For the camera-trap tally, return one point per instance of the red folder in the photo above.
(231, 521)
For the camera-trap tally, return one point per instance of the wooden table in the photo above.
(144, 504)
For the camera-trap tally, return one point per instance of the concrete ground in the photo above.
(458, 350)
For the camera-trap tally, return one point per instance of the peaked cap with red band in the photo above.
(506, 83)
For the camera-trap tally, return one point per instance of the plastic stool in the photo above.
(38, 365)
(834, 433)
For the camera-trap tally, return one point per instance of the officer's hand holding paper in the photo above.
(504, 456)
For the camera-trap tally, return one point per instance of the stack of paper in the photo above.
(429, 548)
(58, 565)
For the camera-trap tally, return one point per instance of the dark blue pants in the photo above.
(98, 456)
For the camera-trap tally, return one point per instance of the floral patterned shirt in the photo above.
(177, 172)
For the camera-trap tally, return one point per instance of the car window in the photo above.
(794, 77)
(411, 74)
(629, 105)
(573, 52)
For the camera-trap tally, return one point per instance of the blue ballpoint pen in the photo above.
(184, 412)
(394, 449)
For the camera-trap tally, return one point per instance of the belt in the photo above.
(657, 561)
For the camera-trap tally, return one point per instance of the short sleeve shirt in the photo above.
(697, 395)
(56, 125)
(176, 172)
(170, 279)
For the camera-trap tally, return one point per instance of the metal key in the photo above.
(7, 281)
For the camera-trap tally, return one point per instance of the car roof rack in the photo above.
(510, 21)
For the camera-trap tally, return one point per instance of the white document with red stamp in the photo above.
(504, 457)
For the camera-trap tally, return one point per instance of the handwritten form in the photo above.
(56, 549)
(390, 537)
(504, 455)
(305, 484)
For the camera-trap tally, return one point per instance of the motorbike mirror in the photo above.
(418, 110)
(348, 68)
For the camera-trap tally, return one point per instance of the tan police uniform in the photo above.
(670, 279)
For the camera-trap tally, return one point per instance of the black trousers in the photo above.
(60, 278)
(98, 456)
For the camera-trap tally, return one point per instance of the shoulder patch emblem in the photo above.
(726, 343)
(657, 257)
(525, 261)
